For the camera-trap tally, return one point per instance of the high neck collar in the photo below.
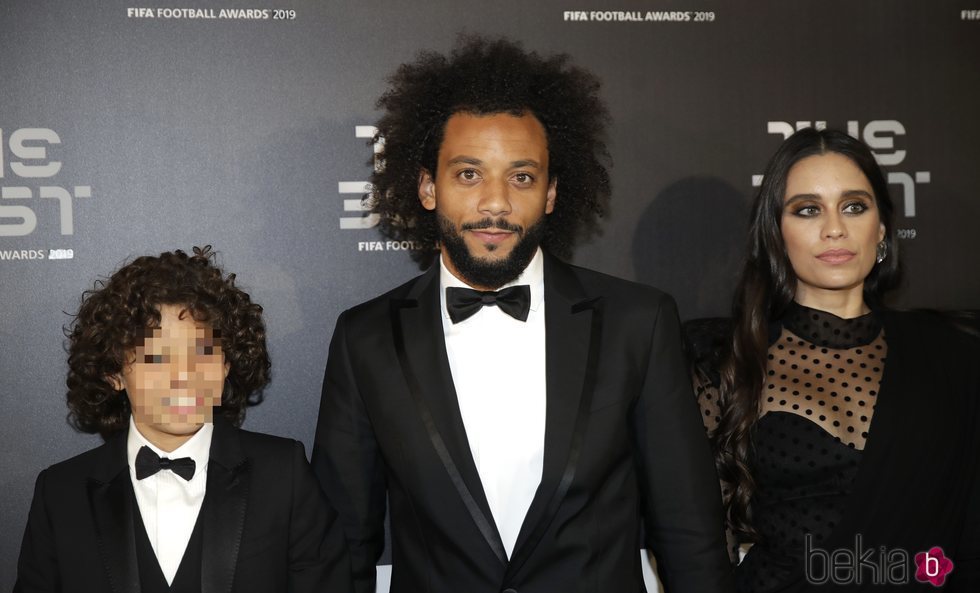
(826, 329)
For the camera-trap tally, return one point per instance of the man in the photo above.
(164, 358)
(519, 414)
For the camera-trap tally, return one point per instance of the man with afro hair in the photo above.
(520, 416)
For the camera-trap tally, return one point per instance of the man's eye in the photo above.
(468, 175)
(524, 178)
(206, 349)
(153, 358)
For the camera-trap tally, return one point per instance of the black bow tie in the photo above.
(149, 463)
(463, 303)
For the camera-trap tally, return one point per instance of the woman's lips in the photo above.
(836, 256)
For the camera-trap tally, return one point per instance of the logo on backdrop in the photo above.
(361, 189)
(360, 216)
(28, 174)
(880, 136)
(639, 16)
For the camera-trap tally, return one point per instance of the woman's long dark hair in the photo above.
(766, 286)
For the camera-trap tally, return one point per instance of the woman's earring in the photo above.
(882, 252)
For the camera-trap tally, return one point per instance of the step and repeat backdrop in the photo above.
(132, 127)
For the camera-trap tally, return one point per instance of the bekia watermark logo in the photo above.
(876, 566)
(26, 174)
(932, 567)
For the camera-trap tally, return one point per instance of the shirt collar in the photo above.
(533, 276)
(198, 447)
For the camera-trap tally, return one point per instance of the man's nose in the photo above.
(495, 198)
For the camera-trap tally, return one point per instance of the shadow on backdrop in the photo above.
(690, 242)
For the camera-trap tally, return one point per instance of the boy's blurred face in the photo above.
(174, 379)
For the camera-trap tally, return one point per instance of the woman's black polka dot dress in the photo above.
(818, 401)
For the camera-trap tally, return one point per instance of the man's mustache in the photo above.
(491, 223)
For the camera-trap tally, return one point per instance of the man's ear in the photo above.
(549, 205)
(427, 190)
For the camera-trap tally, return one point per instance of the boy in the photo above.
(163, 359)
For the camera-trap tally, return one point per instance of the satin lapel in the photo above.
(112, 503)
(419, 341)
(573, 326)
(224, 508)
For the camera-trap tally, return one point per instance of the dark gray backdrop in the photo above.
(239, 133)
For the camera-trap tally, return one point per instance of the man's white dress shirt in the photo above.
(498, 368)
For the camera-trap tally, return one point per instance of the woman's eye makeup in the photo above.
(857, 207)
(810, 209)
(805, 210)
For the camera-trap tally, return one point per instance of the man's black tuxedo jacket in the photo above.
(266, 526)
(623, 440)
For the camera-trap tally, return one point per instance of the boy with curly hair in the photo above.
(164, 358)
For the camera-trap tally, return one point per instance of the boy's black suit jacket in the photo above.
(265, 524)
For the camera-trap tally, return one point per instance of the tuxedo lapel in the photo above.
(112, 503)
(421, 347)
(223, 511)
(573, 322)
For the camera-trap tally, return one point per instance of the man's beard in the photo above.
(485, 272)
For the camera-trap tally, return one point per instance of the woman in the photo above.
(846, 435)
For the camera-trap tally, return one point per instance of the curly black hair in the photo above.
(484, 76)
(113, 318)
